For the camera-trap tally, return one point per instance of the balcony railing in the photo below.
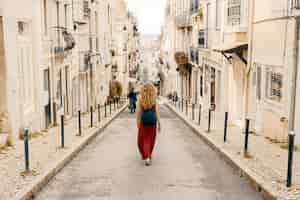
(183, 20)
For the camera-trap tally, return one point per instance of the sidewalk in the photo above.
(46, 154)
(267, 163)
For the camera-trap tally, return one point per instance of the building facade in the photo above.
(56, 57)
(237, 56)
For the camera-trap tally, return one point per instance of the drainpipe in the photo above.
(251, 5)
(294, 77)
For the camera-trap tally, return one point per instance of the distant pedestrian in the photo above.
(132, 100)
(148, 121)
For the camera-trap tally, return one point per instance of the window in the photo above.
(22, 26)
(45, 12)
(218, 14)
(59, 89)
(66, 15)
(46, 80)
(201, 39)
(234, 12)
(274, 82)
(296, 4)
(258, 86)
(201, 85)
(86, 9)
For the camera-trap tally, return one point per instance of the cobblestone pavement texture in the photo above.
(45, 151)
(184, 167)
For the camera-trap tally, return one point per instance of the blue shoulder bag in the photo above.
(148, 117)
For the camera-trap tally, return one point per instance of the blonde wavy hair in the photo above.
(147, 98)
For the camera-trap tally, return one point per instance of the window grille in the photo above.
(234, 12)
(86, 9)
(274, 86)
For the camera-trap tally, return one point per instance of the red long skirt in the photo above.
(146, 140)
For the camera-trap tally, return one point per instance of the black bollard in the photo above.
(199, 117)
(246, 136)
(109, 108)
(114, 104)
(193, 112)
(290, 159)
(62, 125)
(182, 102)
(225, 127)
(105, 111)
(26, 149)
(209, 120)
(79, 123)
(91, 120)
(99, 113)
(186, 108)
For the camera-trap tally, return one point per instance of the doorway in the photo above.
(213, 89)
(48, 106)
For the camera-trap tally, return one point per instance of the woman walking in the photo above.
(148, 121)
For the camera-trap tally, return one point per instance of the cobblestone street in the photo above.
(183, 167)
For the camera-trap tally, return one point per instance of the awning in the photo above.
(233, 48)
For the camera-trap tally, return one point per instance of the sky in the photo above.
(150, 14)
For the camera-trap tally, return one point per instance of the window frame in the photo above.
(274, 85)
(234, 12)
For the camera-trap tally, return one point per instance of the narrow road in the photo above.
(184, 167)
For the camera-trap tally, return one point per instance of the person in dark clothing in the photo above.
(132, 100)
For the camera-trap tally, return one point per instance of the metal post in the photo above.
(79, 123)
(209, 120)
(105, 111)
(182, 102)
(193, 112)
(247, 136)
(91, 110)
(114, 104)
(99, 113)
(290, 159)
(186, 108)
(225, 127)
(109, 108)
(62, 125)
(26, 149)
(199, 117)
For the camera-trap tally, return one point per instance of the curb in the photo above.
(266, 192)
(30, 192)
